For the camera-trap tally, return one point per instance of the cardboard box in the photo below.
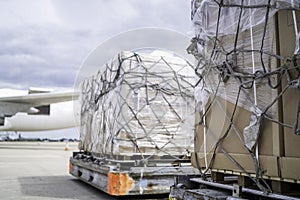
(279, 147)
(291, 98)
(217, 124)
(269, 164)
(290, 168)
(233, 144)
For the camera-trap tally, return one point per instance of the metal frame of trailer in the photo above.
(195, 188)
(129, 175)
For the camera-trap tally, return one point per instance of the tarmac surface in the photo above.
(39, 170)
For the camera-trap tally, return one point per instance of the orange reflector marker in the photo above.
(119, 183)
(67, 147)
(70, 167)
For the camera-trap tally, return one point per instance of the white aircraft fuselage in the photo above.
(58, 116)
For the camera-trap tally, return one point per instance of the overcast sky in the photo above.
(43, 43)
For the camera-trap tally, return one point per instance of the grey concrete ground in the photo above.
(39, 170)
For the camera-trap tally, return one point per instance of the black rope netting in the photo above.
(139, 104)
(238, 61)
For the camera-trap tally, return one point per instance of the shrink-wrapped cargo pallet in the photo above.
(137, 124)
(139, 104)
(249, 79)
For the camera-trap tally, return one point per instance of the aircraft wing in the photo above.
(10, 105)
(41, 98)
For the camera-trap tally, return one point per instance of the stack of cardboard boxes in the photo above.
(278, 145)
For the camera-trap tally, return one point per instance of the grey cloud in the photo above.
(42, 56)
(48, 54)
(120, 15)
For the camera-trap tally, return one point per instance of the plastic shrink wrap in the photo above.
(243, 78)
(139, 104)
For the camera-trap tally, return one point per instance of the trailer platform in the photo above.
(130, 176)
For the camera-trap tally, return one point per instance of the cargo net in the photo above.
(242, 77)
(139, 104)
